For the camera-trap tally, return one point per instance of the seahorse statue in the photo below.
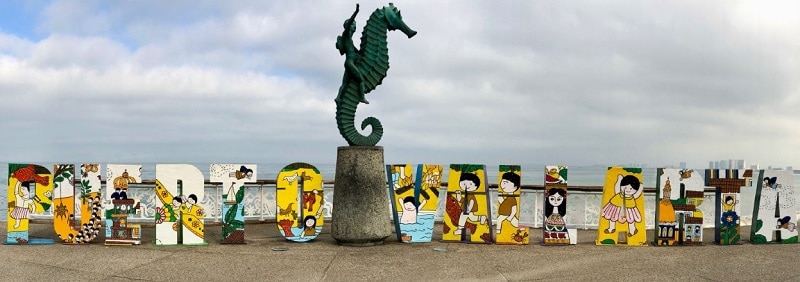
(365, 69)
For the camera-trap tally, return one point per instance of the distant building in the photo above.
(727, 164)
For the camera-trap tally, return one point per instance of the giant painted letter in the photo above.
(118, 206)
(775, 211)
(65, 223)
(508, 229)
(233, 177)
(467, 217)
(414, 200)
(555, 230)
(180, 189)
(429, 180)
(727, 198)
(401, 195)
(299, 201)
(622, 208)
(679, 221)
(30, 191)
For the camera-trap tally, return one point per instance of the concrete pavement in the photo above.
(268, 257)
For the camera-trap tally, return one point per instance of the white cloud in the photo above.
(13, 45)
(64, 51)
(522, 82)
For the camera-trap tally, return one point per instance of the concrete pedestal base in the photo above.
(360, 215)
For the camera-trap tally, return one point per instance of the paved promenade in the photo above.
(268, 257)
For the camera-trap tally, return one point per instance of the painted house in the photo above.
(123, 233)
(679, 220)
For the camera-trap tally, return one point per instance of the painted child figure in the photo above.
(23, 205)
(309, 226)
(509, 207)
(171, 211)
(621, 208)
(410, 209)
(469, 183)
(729, 204)
(190, 205)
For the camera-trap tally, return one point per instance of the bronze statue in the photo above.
(365, 69)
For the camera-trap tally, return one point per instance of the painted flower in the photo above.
(729, 218)
(200, 212)
(195, 224)
(160, 215)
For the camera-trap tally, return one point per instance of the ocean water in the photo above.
(531, 175)
(299, 230)
(422, 231)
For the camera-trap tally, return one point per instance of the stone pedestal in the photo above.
(360, 215)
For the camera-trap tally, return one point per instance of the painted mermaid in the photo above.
(622, 206)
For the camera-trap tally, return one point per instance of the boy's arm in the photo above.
(354, 14)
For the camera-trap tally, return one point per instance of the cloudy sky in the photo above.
(531, 82)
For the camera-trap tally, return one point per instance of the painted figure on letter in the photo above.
(509, 207)
(469, 182)
(410, 209)
(622, 206)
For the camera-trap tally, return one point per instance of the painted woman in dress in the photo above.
(555, 207)
(622, 206)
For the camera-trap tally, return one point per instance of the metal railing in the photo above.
(584, 203)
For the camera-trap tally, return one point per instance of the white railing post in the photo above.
(585, 202)
(219, 203)
(263, 203)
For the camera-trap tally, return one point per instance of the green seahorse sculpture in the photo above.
(365, 69)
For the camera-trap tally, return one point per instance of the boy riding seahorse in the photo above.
(344, 44)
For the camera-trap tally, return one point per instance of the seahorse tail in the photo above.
(345, 119)
(375, 135)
